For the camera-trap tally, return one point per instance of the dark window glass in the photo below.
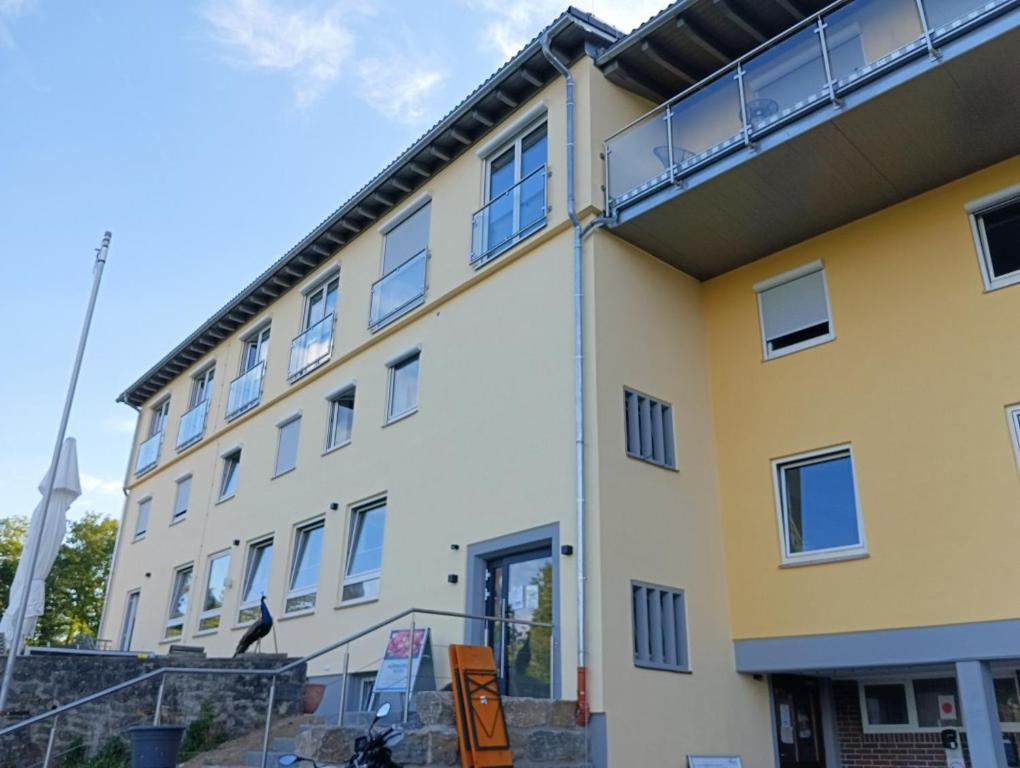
(886, 704)
(1002, 237)
(936, 702)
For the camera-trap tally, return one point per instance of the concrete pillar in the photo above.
(830, 730)
(980, 714)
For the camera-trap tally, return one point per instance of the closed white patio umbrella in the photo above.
(66, 488)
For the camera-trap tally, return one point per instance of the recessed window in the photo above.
(256, 579)
(649, 429)
(1007, 699)
(304, 568)
(159, 417)
(127, 630)
(215, 586)
(231, 468)
(403, 389)
(886, 704)
(341, 419)
(818, 509)
(996, 227)
(405, 257)
(936, 701)
(201, 386)
(794, 310)
(314, 345)
(364, 552)
(287, 446)
(142, 523)
(178, 603)
(148, 449)
(659, 622)
(245, 391)
(182, 498)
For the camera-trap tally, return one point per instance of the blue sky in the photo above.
(209, 136)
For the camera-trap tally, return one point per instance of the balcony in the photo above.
(311, 349)
(400, 291)
(858, 106)
(192, 425)
(148, 454)
(245, 391)
(509, 217)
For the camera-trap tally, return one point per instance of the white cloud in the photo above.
(97, 486)
(121, 425)
(398, 89)
(311, 45)
(9, 10)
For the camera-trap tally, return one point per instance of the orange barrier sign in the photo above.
(481, 727)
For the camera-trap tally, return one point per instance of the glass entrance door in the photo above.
(798, 722)
(520, 586)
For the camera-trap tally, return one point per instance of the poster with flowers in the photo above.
(392, 677)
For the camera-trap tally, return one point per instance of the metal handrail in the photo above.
(376, 322)
(237, 410)
(185, 439)
(306, 365)
(542, 171)
(163, 672)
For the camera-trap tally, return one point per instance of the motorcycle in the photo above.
(370, 751)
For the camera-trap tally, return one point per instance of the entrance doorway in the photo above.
(798, 717)
(520, 586)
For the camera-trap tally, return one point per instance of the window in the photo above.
(201, 386)
(321, 302)
(366, 687)
(178, 603)
(794, 310)
(245, 391)
(160, 414)
(886, 704)
(1007, 699)
(130, 614)
(287, 446)
(818, 510)
(314, 345)
(403, 390)
(405, 255)
(256, 347)
(996, 225)
(341, 419)
(231, 467)
(182, 498)
(649, 428)
(304, 568)
(256, 579)
(148, 450)
(215, 585)
(658, 617)
(142, 524)
(364, 552)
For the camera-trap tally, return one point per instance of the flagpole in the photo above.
(33, 556)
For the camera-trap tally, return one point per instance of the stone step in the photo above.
(286, 745)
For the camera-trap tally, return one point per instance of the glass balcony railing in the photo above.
(192, 425)
(812, 64)
(399, 291)
(311, 349)
(148, 453)
(245, 391)
(509, 217)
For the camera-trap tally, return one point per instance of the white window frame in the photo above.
(908, 695)
(391, 369)
(159, 414)
(359, 578)
(848, 552)
(147, 502)
(233, 455)
(788, 277)
(258, 338)
(130, 619)
(170, 603)
(975, 211)
(302, 530)
(201, 383)
(1013, 417)
(249, 572)
(176, 515)
(331, 401)
(280, 426)
(320, 283)
(212, 613)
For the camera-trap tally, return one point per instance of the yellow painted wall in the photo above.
(917, 380)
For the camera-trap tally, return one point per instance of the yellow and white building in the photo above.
(692, 342)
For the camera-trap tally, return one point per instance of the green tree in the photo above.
(12, 536)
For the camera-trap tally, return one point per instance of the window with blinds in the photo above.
(287, 446)
(659, 618)
(649, 427)
(794, 310)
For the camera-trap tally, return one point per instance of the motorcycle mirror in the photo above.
(286, 760)
(382, 711)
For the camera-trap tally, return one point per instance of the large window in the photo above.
(341, 418)
(287, 445)
(127, 630)
(405, 255)
(142, 522)
(659, 620)
(304, 568)
(818, 509)
(321, 302)
(256, 579)
(403, 386)
(231, 468)
(364, 552)
(182, 498)
(794, 310)
(148, 449)
(314, 345)
(215, 585)
(158, 418)
(256, 347)
(178, 603)
(246, 390)
(201, 386)
(996, 224)
(649, 429)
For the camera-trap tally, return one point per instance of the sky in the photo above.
(209, 136)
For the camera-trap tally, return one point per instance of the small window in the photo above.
(885, 704)
(364, 552)
(321, 302)
(997, 235)
(182, 498)
(304, 569)
(201, 386)
(127, 631)
(936, 702)
(256, 347)
(160, 415)
(287, 446)
(659, 620)
(178, 603)
(341, 419)
(649, 428)
(215, 585)
(405, 257)
(256, 579)
(403, 390)
(231, 467)
(142, 524)
(1007, 699)
(819, 515)
(794, 310)
(366, 686)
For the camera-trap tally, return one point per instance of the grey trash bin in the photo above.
(155, 746)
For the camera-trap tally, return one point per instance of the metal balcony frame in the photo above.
(408, 305)
(139, 471)
(307, 368)
(180, 446)
(231, 415)
(520, 233)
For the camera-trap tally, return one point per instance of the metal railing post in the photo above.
(410, 672)
(552, 664)
(743, 106)
(50, 742)
(826, 61)
(159, 700)
(605, 163)
(269, 720)
(343, 684)
(923, 13)
(669, 144)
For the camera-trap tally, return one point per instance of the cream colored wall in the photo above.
(917, 380)
(662, 526)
